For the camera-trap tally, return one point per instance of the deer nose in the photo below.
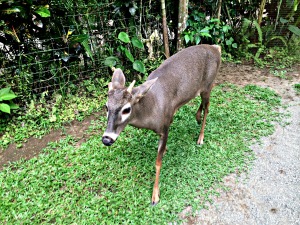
(108, 141)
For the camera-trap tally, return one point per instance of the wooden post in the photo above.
(165, 29)
(182, 18)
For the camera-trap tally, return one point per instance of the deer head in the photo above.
(120, 104)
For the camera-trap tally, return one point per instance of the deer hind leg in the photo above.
(161, 151)
(199, 112)
(203, 107)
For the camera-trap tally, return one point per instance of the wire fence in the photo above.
(59, 57)
(77, 52)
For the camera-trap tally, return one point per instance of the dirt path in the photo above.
(270, 193)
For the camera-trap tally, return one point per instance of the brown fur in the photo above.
(180, 78)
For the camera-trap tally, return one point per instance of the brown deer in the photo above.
(152, 105)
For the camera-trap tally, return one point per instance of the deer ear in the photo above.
(141, 90)
(117, 81)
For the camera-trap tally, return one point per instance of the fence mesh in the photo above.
(61, 56)
(76, 52)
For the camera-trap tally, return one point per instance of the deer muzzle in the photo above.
(108, 141)
(109, 138)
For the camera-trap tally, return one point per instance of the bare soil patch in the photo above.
(33, 146)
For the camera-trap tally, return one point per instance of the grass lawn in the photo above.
(94, 184)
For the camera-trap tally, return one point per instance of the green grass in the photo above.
(39, 117)
(94, 184)
(297, 88)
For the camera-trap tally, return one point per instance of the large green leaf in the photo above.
(259, 31)
(137, 42)
(110, 61)
(187, 38)
(295, 30)
(16, 9)
(282, 20)
(129, 55)
(197, 39)
(83, 39)
(87, 48)
(284, 41)
(205, 32)
(296, 3)
(229, 41)
(78, 38)
(4, 91)
(139, 66)
(43, 12)
(4, 108)
(124, 37)
(13, 105)
(8, 96)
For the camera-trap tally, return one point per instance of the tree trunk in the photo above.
(165, 28)
(219, 10)
(261, 11)
(182, 18)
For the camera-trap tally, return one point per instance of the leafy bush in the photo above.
(41, 115)
(133, 43)
(6, 97)
(297, 88)
(203, 29)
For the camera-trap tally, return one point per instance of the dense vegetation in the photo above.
(51, 46)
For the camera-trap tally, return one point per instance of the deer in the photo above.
(180, 78)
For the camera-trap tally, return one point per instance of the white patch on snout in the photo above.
(111, 135)
(125, 116)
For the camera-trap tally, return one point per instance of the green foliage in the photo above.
(247, 32)
(124, 37)
(278, 59)
(43, 50)
(42, 115)
(258, 44)
(50, 47)
(297, 88)
(94, 184)
(281, 73)
(202, 29)
(295, 30)
(43, 11)
(6, 103)
(132, 44)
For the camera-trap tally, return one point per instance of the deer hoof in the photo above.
(155, 200)
(154, 203)
(200, 142)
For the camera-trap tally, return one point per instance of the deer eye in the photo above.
(126, 111)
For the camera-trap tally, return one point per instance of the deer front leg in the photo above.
(203, 107)
(161, 151)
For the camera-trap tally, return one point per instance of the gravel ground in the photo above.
(270, 192)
